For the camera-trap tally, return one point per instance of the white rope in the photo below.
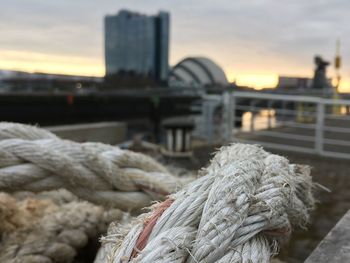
(34, 230)
(246, 203)
(33, 159)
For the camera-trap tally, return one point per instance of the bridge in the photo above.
(48, 108)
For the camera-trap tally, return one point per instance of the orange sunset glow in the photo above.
(67, 38)
(54, 64)
(251, 50)
(83, 66)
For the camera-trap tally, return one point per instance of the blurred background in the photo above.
(184, 77)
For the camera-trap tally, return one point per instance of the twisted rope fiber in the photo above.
(41, 231)
(33, 159)
(240, 210)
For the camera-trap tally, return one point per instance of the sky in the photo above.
(253, 41)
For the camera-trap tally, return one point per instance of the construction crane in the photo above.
(337, 65)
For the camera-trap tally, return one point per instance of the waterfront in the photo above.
(169, 83)
(331, 206)
(264, 119)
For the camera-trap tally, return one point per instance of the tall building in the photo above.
(137, 44)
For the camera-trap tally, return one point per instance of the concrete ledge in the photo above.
(105, 132)
(335, 247)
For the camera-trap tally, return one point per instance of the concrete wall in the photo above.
(105, 132)
(335, 247)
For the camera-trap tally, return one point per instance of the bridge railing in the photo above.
(289, 122)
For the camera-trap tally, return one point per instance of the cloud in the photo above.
(261, 36)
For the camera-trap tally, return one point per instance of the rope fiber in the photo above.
(242, 208)
(33, 159)
(42, 231)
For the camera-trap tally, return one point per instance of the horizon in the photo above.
(252, 42)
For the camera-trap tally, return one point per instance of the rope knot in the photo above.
(245, 203)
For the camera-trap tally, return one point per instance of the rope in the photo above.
(33, 159)
(34, 230)
(240, 210)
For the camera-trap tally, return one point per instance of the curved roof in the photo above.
(198, 71)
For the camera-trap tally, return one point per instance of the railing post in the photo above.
(227, 116)
(209, 105)
(284, 114)
(208, 119)
(232, 117)
(269, 107)
(252, 121)
(252, 118)
(319, 127)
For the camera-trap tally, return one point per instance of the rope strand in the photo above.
(246, 203)
(33, 159)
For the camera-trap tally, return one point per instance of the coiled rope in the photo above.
(33, 159)
(41, 231)
(240, 210)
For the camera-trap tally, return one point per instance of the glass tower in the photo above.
(137, 44)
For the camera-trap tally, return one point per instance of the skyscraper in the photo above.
(137, 44)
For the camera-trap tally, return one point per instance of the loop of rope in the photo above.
(35, 160)
(246, 203)
(40, 230)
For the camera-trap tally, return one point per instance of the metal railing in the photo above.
(289, 122)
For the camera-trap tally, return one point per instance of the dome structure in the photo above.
(197, 71)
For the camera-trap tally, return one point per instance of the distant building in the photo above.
(319, 84)
(293, 83)
(137, 45)
(197, 72)
(24, 81)
(300, 84)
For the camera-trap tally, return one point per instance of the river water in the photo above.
(260, 120)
